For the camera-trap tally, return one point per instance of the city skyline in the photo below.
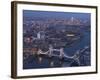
(52, 14)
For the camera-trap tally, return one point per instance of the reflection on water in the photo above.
(47, 62)
(40, 59)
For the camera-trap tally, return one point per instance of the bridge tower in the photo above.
(61, 53)
(39, 51)
(50, 50)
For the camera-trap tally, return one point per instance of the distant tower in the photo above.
(72, 19)
(38, 35)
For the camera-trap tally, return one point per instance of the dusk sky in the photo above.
(51, 14)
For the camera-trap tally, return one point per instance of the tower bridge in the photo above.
(60, 54)
(50, 53)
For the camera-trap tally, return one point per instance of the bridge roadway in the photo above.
(62, 54)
